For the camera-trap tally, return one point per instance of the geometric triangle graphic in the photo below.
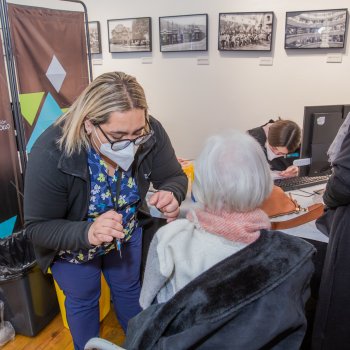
(50, 111)
(6, 227)
(55, 73)
(64, 110)
(29, 105)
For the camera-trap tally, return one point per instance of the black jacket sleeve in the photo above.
(167, 173)
(46, 209)
(337, 191)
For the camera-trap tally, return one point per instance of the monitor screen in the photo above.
(320, 126)
(346, 111)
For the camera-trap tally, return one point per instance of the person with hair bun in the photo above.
(278, 139)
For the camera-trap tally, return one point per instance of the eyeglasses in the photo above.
(119, 145)
(278, 151)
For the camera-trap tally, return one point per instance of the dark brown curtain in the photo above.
(51, 62)
(10, 178)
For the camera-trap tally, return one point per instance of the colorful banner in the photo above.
(51, 62)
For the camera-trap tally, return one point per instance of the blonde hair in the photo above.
(110, 92)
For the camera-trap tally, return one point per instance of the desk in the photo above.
(305, 197)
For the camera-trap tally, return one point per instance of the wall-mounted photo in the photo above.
(183, 33)
(130, 35)
(95, 37)
(318, 29)
(245, 31)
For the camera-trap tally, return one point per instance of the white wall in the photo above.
(233, 91)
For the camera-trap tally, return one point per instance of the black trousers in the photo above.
(310, 307)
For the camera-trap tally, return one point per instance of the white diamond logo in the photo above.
(56, 74)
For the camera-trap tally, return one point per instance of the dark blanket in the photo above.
(254, 299)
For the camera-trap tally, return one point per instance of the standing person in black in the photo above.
(277, 139)
(332, 320)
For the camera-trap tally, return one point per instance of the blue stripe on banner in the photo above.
(7, 226)
(50, 111)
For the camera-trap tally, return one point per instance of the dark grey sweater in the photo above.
(337, 192)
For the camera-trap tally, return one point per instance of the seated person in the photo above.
(277, 139)
(220, 278)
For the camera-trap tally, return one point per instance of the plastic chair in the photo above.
(104, 301)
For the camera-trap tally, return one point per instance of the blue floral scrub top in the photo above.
(103, 198)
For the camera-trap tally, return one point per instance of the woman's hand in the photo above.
(105, 228)
(165, 202)
(290, 171)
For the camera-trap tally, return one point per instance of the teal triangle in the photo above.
(48, 115)
(7, 226)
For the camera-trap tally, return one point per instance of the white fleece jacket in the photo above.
(178, 253)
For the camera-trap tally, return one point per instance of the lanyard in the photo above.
(115, 203)
(118, 188)
(118, 242)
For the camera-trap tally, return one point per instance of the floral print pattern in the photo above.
(103, 198)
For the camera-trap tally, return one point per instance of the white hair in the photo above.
(231, 174)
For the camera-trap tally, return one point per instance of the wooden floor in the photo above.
(56, 337)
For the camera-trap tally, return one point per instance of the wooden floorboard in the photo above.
(56, 337)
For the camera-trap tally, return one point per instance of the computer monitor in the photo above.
(320, 126)
(346, 111)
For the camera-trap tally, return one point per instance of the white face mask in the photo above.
(270, 154)
(123, 158)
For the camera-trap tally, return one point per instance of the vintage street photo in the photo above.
(321, 29)
(130, 35)
(184, 33)
(248, 31)
(95, 37)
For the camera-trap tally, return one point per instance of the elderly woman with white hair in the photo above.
(220, 278)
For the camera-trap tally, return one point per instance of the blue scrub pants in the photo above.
(81, 284)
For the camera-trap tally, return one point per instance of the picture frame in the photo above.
(245, 31)
(183, 33)
(316, 29)
(130, 35)
(95, 37)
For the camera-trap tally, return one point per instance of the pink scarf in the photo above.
(237, 227)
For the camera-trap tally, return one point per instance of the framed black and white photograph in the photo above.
(245, 31)
(130, 35)
(183, 33)
(95, 37)
(317, 29)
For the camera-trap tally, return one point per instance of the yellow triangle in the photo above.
(30, 104)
